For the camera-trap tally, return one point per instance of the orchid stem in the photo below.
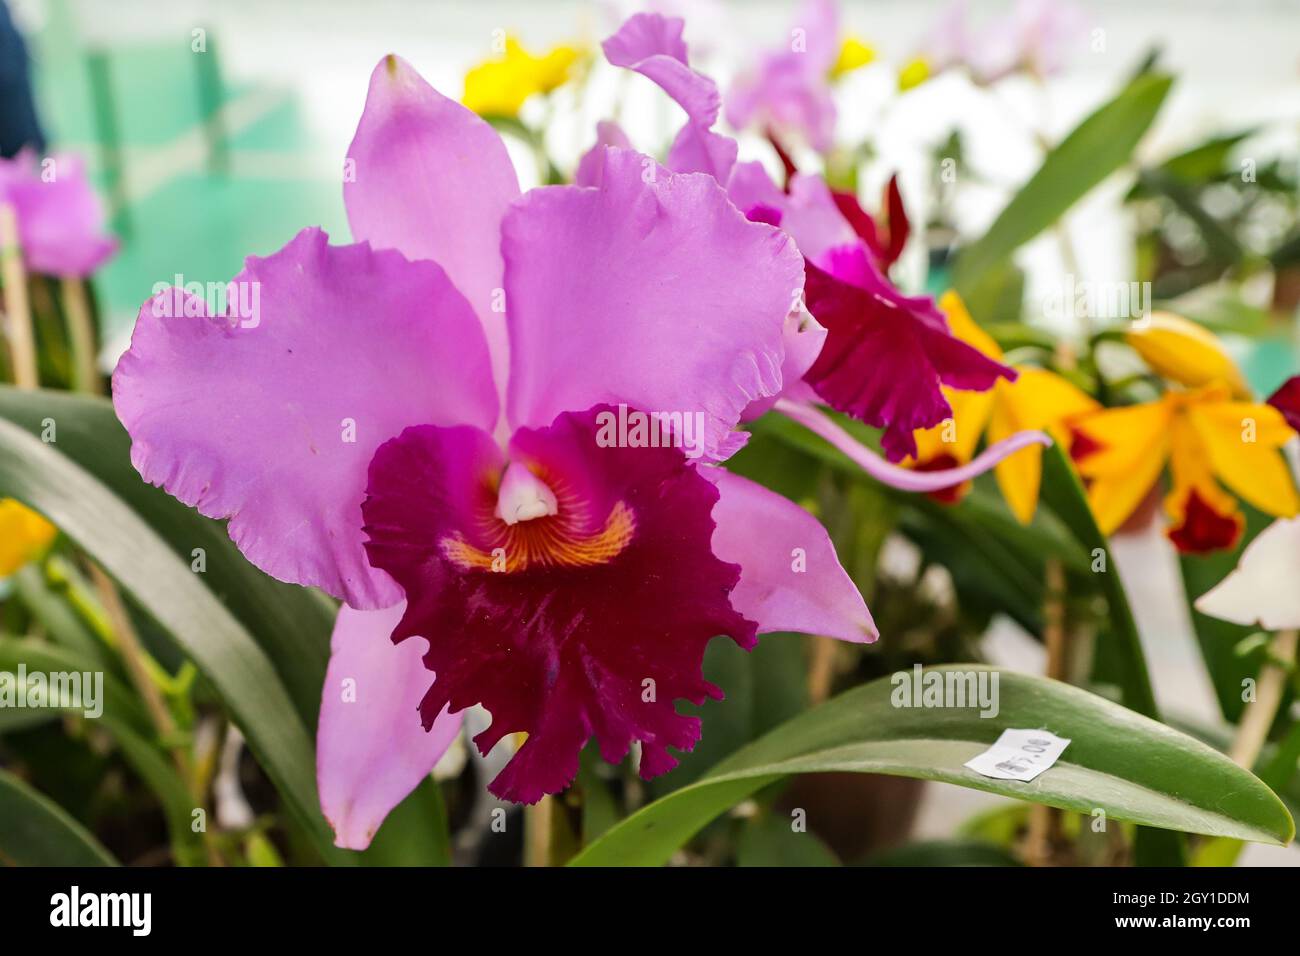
(539, 831)
(81, 335)
(1045, 821)
(1258, 717)
(134, 656)
(22, 338)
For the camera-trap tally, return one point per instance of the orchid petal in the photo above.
(606, 286)
(895, 476)
(271, 419)
(652, 45)
(591, 167)
(804, 339)
(1287, 401)
(432, 180)
(371, 748)
(1184, 352)
(790, 576)
(1262, 589)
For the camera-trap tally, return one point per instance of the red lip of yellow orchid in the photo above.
(24, 535)
(501, 85)
(1209, 440)
(1184, 352)
(1037, 399)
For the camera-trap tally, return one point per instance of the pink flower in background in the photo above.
(789, 92)
(1037, 36)
(419, 424)
(60, 218)
(867, 349)
(652, 45)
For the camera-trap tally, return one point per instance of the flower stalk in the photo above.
(81, 336)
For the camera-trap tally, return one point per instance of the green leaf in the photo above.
(1219, 240)
(771, 841)
(1132, 768)
(1097, 147)
(1063, 493)
(127, 723)
(162, 583)
(36, 831)
(415, 833)
(57, 616)
(1119, 649)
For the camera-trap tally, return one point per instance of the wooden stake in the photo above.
(22, 340)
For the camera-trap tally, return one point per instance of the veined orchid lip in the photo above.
(897, 476)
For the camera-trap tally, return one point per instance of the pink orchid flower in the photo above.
(872, 352)
(1035, 36)
(418, 425)
(60, 218)
(789, 91)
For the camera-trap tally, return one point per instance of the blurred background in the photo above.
(216, 130)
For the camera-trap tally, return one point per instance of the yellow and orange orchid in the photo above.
(1211, 433)
(24, 536)
(1037, 399)
(1184, 352)
(500, 86)
(1210, 439)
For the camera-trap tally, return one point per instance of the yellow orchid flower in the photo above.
(913, 73)
(854, 54)
(499, 86)
(24, 535)
(1210, 440)
(1186, 353)
(1037, 399)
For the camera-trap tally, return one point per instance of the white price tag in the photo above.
(1019, 755)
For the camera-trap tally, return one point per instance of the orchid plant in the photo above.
(461, 504)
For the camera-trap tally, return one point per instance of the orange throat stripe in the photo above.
(548, 542)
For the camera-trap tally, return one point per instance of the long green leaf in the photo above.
(1092, 151)
(1121, 646)
(1063, 493)
(105, 527)
(1122, 763)
(36, 831)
